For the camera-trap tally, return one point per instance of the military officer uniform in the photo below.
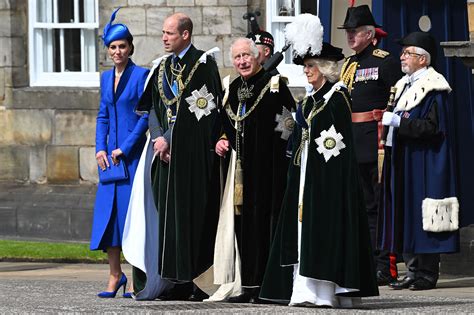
(369, 75)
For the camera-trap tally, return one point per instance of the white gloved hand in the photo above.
(391, 119)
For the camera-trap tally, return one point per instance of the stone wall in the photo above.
(48, 132)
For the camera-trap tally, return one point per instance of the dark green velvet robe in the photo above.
(264, 163)
(335, 244)
(186, 190)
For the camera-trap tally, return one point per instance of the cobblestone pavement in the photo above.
(72, 288)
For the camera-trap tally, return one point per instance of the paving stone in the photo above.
(75, 287)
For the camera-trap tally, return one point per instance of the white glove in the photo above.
(391, 119)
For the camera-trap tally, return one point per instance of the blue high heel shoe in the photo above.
(122, 282)
(127, 295)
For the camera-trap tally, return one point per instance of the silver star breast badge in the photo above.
(330, 143)
(201, 102)
(285, 123)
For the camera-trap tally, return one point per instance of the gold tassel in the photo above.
(300, 213)
(179, 79)
(238, 187)
(381, 155)
(304, 138)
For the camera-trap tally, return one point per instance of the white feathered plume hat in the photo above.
(305, 34)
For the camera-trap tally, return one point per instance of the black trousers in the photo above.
(422, 266)
(368, 173)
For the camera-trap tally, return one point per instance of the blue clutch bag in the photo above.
(113, 173)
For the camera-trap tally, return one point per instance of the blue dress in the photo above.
(118, 126)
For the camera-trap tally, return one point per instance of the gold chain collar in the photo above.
(239, 118)
(161, 70)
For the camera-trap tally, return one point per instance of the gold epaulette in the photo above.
(380, 53)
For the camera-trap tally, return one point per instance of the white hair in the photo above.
(252, 45)
(328, 68)
(421, 51)
(371, 30)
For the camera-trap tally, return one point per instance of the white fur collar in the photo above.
(431, 81)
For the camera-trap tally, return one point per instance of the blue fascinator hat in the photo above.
(115, 31)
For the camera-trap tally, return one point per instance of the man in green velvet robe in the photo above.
(184, 93)
(257, 123)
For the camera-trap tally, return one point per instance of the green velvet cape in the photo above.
(187, 189)
(264, 163)
(335, 244)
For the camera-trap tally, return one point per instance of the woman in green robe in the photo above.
(321, 254)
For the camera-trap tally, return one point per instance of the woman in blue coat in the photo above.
(120, 133)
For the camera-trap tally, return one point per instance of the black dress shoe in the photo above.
(403, 284)
(384, 279)
(422, 284)
(198, 295)
(245, 297)
(249, 295)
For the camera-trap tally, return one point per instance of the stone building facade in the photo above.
(48, 173)
(48, 132)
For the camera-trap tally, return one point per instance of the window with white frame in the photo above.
(62, 41)
(279, 13)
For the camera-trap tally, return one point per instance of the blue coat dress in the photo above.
(118, 126)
